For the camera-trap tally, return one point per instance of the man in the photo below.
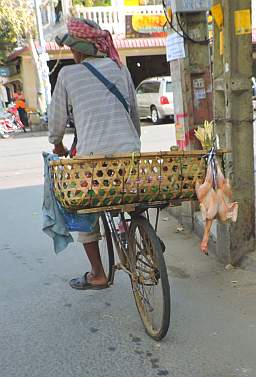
(105, 122)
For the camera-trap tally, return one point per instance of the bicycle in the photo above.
(123, 188)
(140, 253)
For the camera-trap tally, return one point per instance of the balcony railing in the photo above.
(110, 18)
(113, 18)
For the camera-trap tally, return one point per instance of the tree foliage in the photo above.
(16, 20)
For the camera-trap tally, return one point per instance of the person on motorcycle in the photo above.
(105, 116)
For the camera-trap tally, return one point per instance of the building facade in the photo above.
(136, 27)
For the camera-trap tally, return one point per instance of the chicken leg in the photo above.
(207, 197)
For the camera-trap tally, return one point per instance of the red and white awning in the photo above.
(122, 43)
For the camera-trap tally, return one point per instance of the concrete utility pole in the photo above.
(233, 114)
(191, 75)
(43, 57)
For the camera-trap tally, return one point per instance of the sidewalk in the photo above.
(191, 256)
(193, 221)
(218, 304)
(37, 133)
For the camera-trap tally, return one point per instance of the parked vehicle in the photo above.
(10, 122)
(155, 98)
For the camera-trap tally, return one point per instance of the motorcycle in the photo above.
(10, 122)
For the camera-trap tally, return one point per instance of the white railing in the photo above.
(147, 10)
(109, 18)
(113, 18)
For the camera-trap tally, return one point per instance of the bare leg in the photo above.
(97, 275)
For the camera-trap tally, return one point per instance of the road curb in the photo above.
(29, 133)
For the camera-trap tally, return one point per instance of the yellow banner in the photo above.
(243, 22)
(217, 14)
(221, 42)
(131, 3)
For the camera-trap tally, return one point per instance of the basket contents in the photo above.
(97, 181)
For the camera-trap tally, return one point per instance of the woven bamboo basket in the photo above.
(98, 182)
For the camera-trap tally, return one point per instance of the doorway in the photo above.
(142, 67)
(54, 74)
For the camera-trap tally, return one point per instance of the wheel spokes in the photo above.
(147, 277)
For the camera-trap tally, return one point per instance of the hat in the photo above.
(79, 44)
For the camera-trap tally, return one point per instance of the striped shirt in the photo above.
(102, 123)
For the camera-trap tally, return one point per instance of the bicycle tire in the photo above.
(109, 267)
(155, 257)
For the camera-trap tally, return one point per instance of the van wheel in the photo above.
(154, 115)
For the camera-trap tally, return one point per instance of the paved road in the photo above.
(49, 330)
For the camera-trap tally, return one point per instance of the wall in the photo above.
(28, 73)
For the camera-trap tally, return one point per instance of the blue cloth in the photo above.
(79, 222)
(53, 222)
(58, 222)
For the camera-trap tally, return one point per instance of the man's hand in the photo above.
(60, 150)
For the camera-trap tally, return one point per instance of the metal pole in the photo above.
(39, 25)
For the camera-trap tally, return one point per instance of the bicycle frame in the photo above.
(121, 240)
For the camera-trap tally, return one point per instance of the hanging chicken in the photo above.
(215, 193)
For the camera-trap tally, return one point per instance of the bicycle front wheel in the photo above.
(149, 278)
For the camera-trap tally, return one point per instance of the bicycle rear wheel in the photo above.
(106, 249)
(149, 278)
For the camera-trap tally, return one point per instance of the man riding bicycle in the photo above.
(101, 93)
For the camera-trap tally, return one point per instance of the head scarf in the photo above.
(88, 31)
(81, 45)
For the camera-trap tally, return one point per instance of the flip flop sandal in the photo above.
(82, 284)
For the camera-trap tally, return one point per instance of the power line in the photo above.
(183, 34)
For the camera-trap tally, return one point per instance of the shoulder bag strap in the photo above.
(108, 84)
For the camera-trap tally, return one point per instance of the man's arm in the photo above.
(58, 116)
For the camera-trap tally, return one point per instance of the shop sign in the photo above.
(143, 3)
(144, 26)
